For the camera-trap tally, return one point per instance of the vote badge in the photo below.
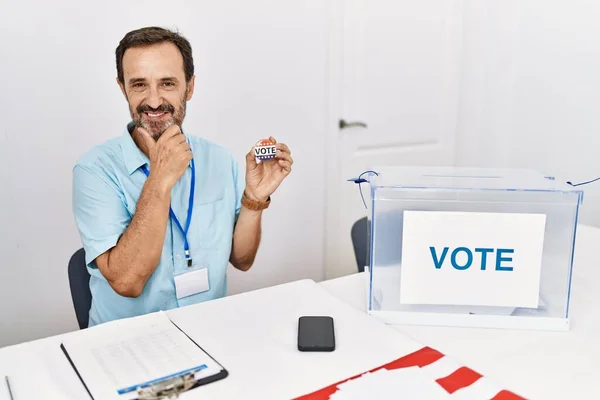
(264, 150)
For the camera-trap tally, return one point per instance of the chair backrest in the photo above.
(360, 240)
(79, 281)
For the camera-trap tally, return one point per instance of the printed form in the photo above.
(115, 358)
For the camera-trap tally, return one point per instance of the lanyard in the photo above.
(188, 221)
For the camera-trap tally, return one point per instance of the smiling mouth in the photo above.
(156, 115)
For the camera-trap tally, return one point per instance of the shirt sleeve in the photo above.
(99, 211)
(239, 180)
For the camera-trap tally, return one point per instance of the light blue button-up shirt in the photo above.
(107, 182)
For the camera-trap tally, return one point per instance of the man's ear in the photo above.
(122, 87)
(190, 88)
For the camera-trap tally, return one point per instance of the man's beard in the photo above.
(157, 128)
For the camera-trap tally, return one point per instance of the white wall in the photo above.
(530, 90)
(529, 82)
(260, 71)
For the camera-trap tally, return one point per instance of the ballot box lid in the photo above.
(424, 177)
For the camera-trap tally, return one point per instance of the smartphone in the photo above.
(316, 333)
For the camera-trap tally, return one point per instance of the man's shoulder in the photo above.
(101, 154)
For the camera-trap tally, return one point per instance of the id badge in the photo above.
(192, 282)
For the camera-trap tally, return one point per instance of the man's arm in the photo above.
(246, 239)
(261, 181)
(128, 265)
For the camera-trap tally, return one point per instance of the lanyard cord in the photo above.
(186, 245)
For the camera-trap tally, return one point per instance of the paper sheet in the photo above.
(114, 357)
(383, 384)
(4, 394)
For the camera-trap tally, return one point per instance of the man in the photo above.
(161, 213)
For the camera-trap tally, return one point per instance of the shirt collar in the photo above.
(133, 156)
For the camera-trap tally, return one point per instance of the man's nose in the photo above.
(154, 100)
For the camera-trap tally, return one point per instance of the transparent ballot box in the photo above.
(471, 247)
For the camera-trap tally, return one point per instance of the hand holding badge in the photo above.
(267, 164)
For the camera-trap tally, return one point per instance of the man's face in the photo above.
(155, 88)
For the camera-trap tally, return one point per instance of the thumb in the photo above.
(146, 138)
(251, 159)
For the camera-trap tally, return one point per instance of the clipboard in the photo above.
(167, 387)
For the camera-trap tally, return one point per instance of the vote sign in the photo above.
(470, 258)
(265, 150)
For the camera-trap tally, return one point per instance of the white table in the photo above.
(253, 335)
(537, 364)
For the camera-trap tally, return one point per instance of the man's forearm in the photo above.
(129, 265)
(246, 239)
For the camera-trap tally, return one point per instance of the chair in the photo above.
(360, 240)
(79, 281)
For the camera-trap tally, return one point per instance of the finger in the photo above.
(170, 132)
(284, 156)
(285, 165)
(272, 139)
(184, 147)
(177, 140)
(147, 139)
(250, 159)
(283, 147)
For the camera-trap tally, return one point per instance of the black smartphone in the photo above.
(316, 333)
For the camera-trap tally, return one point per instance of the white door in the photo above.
(394, 66)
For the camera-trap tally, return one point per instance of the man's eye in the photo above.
(168, 84)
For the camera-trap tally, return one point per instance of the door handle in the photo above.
(344, 124)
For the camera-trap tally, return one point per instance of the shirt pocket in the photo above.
(210, 227)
